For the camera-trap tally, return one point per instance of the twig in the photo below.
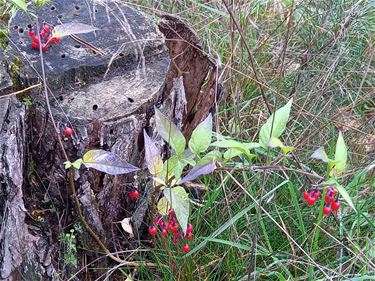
(21, 91)
(270, 167)
(83, 42)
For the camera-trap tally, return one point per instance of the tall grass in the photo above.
(321, 53)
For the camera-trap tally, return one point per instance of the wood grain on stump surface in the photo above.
(129, 76)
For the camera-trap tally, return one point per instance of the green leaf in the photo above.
(77, 164)
(107, 162)
(229, 143)
(345, 195)
(20, 4)
(169, 132)
(234, 152)
(277, 122)
(68, 164)
(201, 137)
(212, 155)
(341, 154)
(276, 142)
(229, 243)
(179, 202)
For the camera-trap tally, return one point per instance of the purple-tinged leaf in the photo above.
(153, 159)
(107, 162)
(199, 171)
(67, 29)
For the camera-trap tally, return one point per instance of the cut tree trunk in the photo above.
(107, 97)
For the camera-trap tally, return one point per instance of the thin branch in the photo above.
(21, 91)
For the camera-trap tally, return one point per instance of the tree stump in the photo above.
(107, 98)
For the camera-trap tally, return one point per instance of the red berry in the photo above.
(42, 33)
(175, 240)
(316, 194)
(46, 28)
(333, 191)
(158, 220)
(31, 33)
(36, 39)
(329, 198)
(335, 205)
(186, 248)
(68, 131)
(171, 213)
(164, 232)
(152, 230)
(327, 209)
(57, 40)
(188, 235)
(309, 198)
(44, 48)
(35, 45)
(165, 225)
(189, 228)
(173, 227)
(134, 194)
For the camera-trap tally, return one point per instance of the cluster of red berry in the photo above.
(332, 203)
(45, 37)
(170, 225)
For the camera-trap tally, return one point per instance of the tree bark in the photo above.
(107, 100)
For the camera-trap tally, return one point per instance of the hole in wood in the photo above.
(53, 8)
(29, 25)
(20, 30)
(16, 27)
(121, 54)
(95, 107)
(77, 46)
(77, 7)
(61, 98)
(111, 131)
(130, 100)
(21, 42)
(63, 56)
(60, 16)
(93, 52)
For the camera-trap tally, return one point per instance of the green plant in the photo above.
(69, 244)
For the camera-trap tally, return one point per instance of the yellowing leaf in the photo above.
(179, 201)
(163, 206)
(153, 159)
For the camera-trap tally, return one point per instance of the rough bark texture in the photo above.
(198, 71)
(108, 100)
